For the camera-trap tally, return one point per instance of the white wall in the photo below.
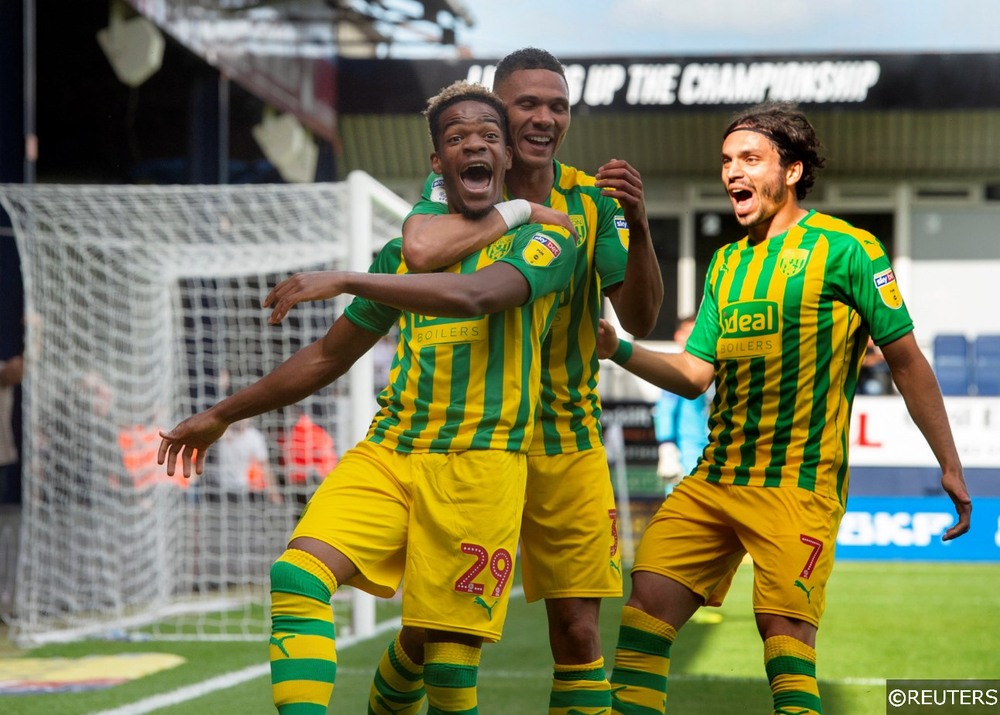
(954, 275)
(953, 297)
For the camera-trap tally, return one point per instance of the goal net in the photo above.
(142, 307)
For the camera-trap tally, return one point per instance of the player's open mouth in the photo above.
(741, 198)
(477, 177)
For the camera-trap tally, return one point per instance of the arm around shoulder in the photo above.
(432, 241)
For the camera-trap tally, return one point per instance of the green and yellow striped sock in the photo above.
(450, 674)
(791, 670)
(398, 687)
(580, 690)
(303, 647)
(642, 663)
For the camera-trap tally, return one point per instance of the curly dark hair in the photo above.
(461, 91)
(784, 124)
(527, 58)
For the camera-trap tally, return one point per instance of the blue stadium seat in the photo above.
(986, 370)
(952, 364)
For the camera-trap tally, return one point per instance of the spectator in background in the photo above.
(681, 424)
(244, 481)
(309, 453)
(244, 466)
(138, 444)
(875, 377)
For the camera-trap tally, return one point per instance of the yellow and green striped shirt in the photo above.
(469, 383)
(570, 408)
(786, 323)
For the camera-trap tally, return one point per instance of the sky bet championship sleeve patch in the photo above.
(438, 192)
(622, 225)
(887, 288)
(540, 251)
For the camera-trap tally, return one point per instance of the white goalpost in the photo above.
(142, 307)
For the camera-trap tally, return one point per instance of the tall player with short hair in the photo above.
(782, 331)
(569, 546)
(453, 429)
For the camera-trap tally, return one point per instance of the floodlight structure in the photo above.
(134, 46)
(395, 22)
(328, 27)
(288, 146)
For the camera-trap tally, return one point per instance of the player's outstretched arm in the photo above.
(915, 381)
(638, 298)
(680, 373)
(305, 372)
(453, 295)
(432, 241)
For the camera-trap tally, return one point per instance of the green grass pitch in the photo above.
(883, 620)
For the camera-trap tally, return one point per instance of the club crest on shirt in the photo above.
(622, 225)
(885, 281)
(581, 228)
(792, 261)
(540, 251)
(499, 248)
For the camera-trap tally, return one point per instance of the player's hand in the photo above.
(316, 285)
(553, 217)
(607, 339)
(189, 440)
(954, 484)
(619, 180)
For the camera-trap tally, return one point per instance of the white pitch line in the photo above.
(228, 680)
(189, 692)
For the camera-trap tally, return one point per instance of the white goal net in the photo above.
(142, 307)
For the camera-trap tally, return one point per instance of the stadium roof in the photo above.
(882, 116)
(308, 27)
(892, 117)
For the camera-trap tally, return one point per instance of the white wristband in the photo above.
(514, 213)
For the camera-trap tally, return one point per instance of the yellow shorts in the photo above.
(702, 531)
(569, 535)
(450, 521)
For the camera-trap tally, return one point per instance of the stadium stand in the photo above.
(986, 369)
(952, 364)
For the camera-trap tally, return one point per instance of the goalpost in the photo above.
(142, 307)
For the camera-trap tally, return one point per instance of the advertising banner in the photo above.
(860, 81)
(910, 528)
(884, 435)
